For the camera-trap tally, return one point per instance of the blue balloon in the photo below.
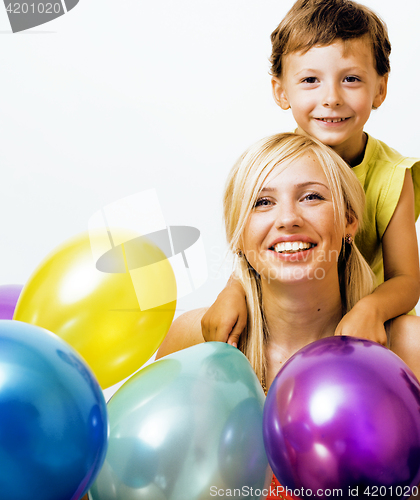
(53, 417)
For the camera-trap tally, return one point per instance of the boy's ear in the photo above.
(279, 93)
(381, 91)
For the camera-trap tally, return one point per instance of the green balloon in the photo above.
(185, 427)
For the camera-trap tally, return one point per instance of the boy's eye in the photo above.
(262, 202)
(351, 79)
(310, 79)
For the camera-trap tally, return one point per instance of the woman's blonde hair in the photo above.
(242, 189)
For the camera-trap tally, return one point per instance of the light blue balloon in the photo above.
(187, 423)
(53, 417)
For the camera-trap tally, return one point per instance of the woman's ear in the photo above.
(380, 91)
(279, 93)
(352, 223)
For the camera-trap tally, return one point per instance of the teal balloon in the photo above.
(241, 454)
(187, 423)
(53, 417)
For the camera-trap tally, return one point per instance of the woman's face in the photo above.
(291, 235)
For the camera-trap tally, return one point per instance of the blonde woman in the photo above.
(292, 208)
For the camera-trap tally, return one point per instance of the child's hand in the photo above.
(225, 320)
(363, 322)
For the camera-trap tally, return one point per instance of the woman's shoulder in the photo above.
(184, 332)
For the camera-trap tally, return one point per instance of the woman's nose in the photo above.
(288, 216)
(332, 96)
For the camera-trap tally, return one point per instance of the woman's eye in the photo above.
(310, 79)
(351, 79)
(313, 196)
(262, 202)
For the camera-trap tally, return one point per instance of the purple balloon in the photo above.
(9, 295)
(344, 413)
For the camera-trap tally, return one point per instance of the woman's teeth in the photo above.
(291, 246)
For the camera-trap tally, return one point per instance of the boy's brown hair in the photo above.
(322, 22)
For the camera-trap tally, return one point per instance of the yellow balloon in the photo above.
(105, 308)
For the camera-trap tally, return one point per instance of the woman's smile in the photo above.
(293, 249)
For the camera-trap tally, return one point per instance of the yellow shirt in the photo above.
(381, 174)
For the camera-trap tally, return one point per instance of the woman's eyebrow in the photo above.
(312, 183)
(268, 189)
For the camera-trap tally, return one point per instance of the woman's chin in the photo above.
(290, 275)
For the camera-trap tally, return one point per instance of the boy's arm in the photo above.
(225, 320)
(400, 291)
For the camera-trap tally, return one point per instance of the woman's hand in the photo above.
(226, 319)
(363, 321)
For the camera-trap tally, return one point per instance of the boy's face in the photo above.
(331, 91)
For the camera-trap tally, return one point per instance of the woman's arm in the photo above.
(404, 334)
(184, 332)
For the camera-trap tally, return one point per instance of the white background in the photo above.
(120, 96)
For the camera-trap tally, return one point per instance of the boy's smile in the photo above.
(331, 90)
